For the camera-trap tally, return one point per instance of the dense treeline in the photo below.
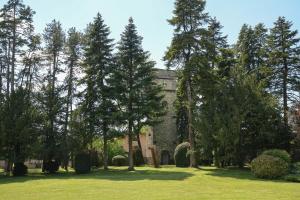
(60, 91)
(233, 101)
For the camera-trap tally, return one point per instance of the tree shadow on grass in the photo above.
(236, 173)
(115, 174)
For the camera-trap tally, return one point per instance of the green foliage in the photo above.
(119, 160)
(134, 86)
(278, 153)
(283, 43)
(295, 168)
(82, 163)
(19, 169)
(115, 148)
(269, 167)
(180, 155)
(138, 158)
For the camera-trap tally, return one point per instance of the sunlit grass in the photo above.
(147, 184)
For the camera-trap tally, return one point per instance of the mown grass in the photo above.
(147, 184)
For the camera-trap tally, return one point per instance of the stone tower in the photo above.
(165, 134)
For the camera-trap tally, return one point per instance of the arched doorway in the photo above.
(165, 157)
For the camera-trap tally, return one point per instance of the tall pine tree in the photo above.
(98, 66)
(138, 96)
(187, 45)
(50, 95)
(284, 62)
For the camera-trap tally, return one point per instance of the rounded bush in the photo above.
(138, 158)
(282, 154)
(51, 166)
(269, 167)
(119, 160)
(20, 169)
(181, 157)
(82, 163)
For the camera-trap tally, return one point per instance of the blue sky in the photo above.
(150, 16)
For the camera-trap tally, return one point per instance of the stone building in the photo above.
(162, 137)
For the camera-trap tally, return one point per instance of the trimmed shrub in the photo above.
(295, 168)
(138, 158)
(269, 167)
(96, 159)
(282, 154)
(20, 169)
(51, 166)
(82, 163)
(180, 155)
(119, 160)
(114, 148)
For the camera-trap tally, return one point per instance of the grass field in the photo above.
(147, 184)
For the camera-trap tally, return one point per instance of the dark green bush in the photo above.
(269, 167)
(282, 154)
(96, 159)
(180, 155)
(51, 166)
(138, 158)
(295, 169)
(292, 178)
(82, 163)
(119, 160)
(20, 169)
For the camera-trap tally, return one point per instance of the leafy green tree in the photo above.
(186, 48)
(284, 62)
(138, 96)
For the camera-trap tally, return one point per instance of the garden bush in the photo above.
(96, 159)
(20, 169)
(282, 154)
(180, 155)
(138, 158)
(269, 167)
(51, 166)
(115, 148)
(295, 168)
(82, 163)
(119, 160)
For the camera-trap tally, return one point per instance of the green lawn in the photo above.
(147, 183)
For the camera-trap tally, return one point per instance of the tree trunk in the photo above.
(285, 95)
(130, 149)
(105, 148)
(13, 59)
(190, 124)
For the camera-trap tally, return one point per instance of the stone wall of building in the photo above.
(164, 134)
(162, 137)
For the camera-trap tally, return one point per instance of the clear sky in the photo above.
(150, 16)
